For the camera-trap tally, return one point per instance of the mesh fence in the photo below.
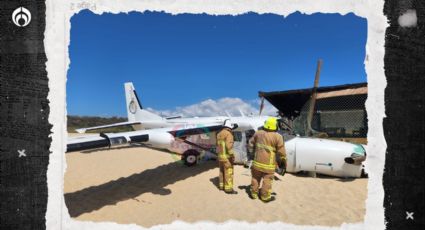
(342, 116)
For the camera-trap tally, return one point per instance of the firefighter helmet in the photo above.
(271, 124)
(227, 124)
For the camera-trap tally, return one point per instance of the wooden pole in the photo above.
(313, 98)
(261, 106)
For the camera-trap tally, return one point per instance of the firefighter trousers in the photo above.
(266, 186)
(225, 178)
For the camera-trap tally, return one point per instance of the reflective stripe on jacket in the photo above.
(266, 145)
(224, 144)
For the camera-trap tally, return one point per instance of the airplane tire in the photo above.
(190, 157)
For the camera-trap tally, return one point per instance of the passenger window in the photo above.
(237, 136)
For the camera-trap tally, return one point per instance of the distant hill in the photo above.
(75, 122)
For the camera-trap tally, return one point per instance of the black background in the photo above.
(404, 125)
(24, 112)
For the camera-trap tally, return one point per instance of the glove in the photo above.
(232, 159)
(281, 170)
(282, 163)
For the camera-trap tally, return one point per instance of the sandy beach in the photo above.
(150, 187)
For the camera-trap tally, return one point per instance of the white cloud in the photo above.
(218, 107)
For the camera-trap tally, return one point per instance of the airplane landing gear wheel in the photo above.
(190, 157)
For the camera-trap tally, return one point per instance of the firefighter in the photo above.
(266, 143)
(226, 157)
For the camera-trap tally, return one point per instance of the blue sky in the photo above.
(179, 62)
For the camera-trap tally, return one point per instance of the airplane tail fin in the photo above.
(135, 111)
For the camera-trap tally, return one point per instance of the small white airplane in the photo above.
(195, 137)
(141, 119)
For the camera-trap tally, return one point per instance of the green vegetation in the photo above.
(76, 122)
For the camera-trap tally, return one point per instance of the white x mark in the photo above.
(22, 153)
(409, 215)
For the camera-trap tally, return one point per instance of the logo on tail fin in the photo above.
(132, 106)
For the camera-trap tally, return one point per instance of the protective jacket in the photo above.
(225, 145)
(266, 146)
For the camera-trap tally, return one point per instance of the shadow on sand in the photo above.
(110, 193)
(112, 148)
(214, 181)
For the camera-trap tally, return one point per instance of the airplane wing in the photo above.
(189, 131)
(83, 130)
(105, 140)
(173, 117)
(158, 138)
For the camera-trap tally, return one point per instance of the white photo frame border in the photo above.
(56, 42)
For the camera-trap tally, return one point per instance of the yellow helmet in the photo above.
(271, 124)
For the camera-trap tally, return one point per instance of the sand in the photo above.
(149, 187)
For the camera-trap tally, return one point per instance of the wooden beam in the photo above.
(313, 97)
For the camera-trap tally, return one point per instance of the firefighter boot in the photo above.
(252, 194)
